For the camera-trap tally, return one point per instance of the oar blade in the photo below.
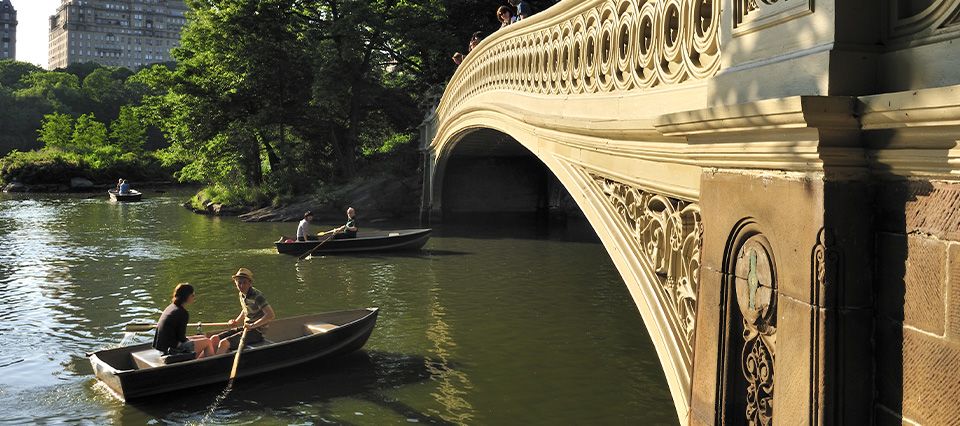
(139, 327)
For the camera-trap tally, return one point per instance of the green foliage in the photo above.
(88, 134)
(12, 72)
(56, 131)
(127, 132)
(53, 166)
(230, 195)
(28, 93)
(58, 89)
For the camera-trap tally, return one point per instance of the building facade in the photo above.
(124, 33)
(8, 30)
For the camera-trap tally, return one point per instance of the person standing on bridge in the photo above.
(505, 15)
(523, 9)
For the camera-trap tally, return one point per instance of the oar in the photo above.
(148, 326)
(236, 358)
(307, 254)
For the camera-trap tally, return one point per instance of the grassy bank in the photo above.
(53, 166)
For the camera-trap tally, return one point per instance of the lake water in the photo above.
(489, 324)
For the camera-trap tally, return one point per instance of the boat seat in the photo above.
(150, 358)
(318, 328)
(147, 358)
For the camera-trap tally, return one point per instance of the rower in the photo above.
(256, 314)
(349, 230)
(124, 187)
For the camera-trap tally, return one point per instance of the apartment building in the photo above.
(126, 33)
(8, 30)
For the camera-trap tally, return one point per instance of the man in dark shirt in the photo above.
(349, 230)
(256, 314)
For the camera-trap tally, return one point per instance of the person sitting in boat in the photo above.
(119, 182)
(256, 314)
(171, 336)
(349, 230)
(124, 187)
(303, 232)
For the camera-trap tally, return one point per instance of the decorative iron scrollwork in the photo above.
(668, 232)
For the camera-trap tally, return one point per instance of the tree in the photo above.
(128, 132)
(88, 134)
(11, 72)
(56, 131)
(60, 90)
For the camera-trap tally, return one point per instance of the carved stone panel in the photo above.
(918, 21)
(756, 296)
(753, 15)
(749, 330)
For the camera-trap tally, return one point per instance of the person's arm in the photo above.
(238, 320)
(268, 315)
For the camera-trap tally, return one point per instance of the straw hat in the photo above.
(244, 272)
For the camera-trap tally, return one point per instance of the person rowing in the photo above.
(348, 230)
(171, 336)
(124, 187)
(254, 316)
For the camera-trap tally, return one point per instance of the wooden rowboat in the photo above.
(137, 371)
(131, 196)
(410, 239)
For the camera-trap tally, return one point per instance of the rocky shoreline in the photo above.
(77, 185)
(378, 198)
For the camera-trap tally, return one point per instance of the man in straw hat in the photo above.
(255, 315)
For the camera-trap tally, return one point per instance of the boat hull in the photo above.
(132, 196)
(131, 383)
(405, 240)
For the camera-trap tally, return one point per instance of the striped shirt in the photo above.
(253, 304)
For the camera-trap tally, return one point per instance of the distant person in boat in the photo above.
(124, 187)
(303, 230)
(119, 182)
(349, 230)
(171, 337)
(256, 314)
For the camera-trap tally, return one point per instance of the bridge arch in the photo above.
(652, 239)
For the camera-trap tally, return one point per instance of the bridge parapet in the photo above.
(594, 47)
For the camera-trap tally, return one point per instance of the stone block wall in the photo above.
(918, 302)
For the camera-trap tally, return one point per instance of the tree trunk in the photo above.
(343, 152)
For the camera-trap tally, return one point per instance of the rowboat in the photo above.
(410, 239)
(138, 371)
(131, 196)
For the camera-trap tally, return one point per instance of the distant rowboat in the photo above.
(131, 196)
(137, 371)
(409, 239)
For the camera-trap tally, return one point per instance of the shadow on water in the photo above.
(424, 254)
(363, 376)
(516, 226)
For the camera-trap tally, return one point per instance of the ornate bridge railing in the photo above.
(594, 46)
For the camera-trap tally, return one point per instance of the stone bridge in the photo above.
(775, 180)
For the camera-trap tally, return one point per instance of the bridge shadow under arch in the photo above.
(485, 175)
